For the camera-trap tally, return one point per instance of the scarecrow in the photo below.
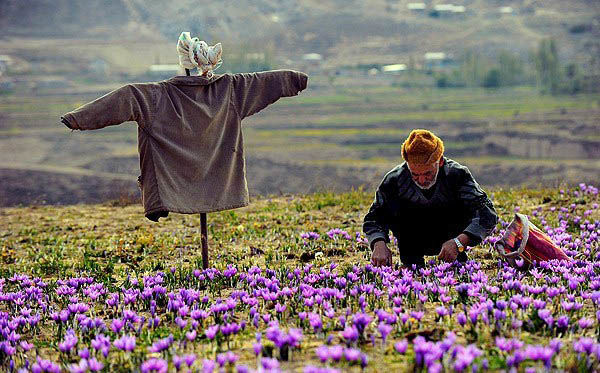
(189, 130)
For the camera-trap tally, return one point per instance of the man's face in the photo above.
(424, 176)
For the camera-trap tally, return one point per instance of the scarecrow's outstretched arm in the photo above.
(252, 92)
(128, 103)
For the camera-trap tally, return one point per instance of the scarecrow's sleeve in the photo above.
(132, 102)
(479, 207)
(252, 92)
(376, 221)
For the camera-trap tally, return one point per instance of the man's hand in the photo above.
(382, 256)
(449, 251)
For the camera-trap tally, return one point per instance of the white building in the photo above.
(449, 9)
(394, 68)
(5, 61)
(312, 57)
(438, 60)
(312, 62)
(434, 56)
(416, 7)
(165, 71)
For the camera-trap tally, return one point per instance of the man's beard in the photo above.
(432, 183)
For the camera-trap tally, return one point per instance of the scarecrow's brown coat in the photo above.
(189, 134)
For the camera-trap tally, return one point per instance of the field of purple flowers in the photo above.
(95, 289)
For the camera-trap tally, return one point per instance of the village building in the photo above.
(5, 62)
(416, 7)
(312, 62)
(394, 69)
(164, 71)
(438, 61)
(448, 10)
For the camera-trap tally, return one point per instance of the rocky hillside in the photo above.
(345, 31)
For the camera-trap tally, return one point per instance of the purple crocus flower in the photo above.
(585, 323)
(154, 365)
(360, 321)
(101, 343)
(212, 331)
(231, 357)
(555, 344)
(221, 360)
(401, 346)
(546, 315)
(562, 322)
(199, 314)
(384, 329)
(465, 357)
(84, 353)
(517, 358)
(417, 315)
(352, 354)
(541, 353)
(442, 311)
(516, 324)
(181, 323)
(26, 346)
(294, 337)
(94, 365)
(504, 344)
(208, 366)
(257, 348)
(80, 367)
(315, 321)
(177, 361)
(42, 365)
(230, 328)
(191, 335)
(269, 364)
(125, 343)
(583, 345)
(322, 353)
(69, 342)
(461, 318)
(161, 344)
(350, 334)
(313, 369)
(310, 236)
(336, 352)
(117, 325)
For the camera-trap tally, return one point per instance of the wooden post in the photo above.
(204, 233)
(203, 229)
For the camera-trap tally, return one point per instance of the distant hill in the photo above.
(344, 31)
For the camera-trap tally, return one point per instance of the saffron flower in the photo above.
(401, 346)
(125, 343)
(154, 365)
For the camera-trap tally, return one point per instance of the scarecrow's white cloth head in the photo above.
(195, 53)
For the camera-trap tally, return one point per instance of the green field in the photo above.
(357, 130)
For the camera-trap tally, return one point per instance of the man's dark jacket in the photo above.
(457, 204)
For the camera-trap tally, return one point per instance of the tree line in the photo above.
(542, 68)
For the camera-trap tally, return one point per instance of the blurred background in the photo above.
(512, 87)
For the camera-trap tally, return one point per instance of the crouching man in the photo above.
(432, 205)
